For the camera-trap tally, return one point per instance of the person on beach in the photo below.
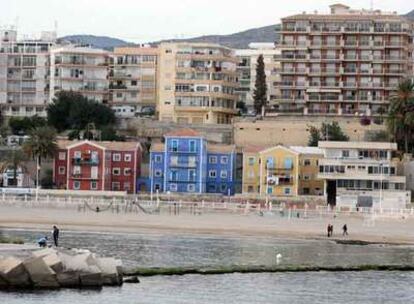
(329, 230)
(42, 242)
(55, 235)
(345, 230)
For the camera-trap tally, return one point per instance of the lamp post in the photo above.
(381, 178)
(37, 177)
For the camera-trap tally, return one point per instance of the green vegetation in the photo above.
(10, 240)
(260, 90)
(400, 119)
(22, 126)
(327, 131)
(83, 117)
(13, 160)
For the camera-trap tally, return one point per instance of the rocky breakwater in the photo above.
(59, 268)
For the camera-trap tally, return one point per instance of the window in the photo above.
(223, 174)
(158, 173)
(250, 189)
(157, 187)
(192, 145)
(212, 159)
(76, 185)
(116, 186)
(173, 187)
(269, 190)
(306, 177)
(174, 161)
(224, 160)
(288, 163)
(270, 163)
(62, 155)
(94, 185)
(252, 161)
(174, 145)
(190, 188)
(223, 187)
(251, 173)
(116, 171)
(307, 162)
(127, 186)
(127, 157)
(76, 170)
(94, 172)
(127, 171)
(116, 157)
(345, 153)
(133, 82)
(211, 188)
(158, 158)
(62, 170)
(287, 191)
(212, 173)
(306, 191)
(191, 175)
(78, 154)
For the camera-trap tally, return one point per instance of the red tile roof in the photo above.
(184, 132)
(109, 145)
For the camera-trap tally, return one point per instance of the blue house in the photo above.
(186, 163)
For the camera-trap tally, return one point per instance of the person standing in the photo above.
(56, 235)
(345, 230)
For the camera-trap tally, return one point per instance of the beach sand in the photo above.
(380, 230)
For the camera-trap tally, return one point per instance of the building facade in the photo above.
(246, 69)
(348, 62)
(282, 171)
(362, 174)
(197, 83)
(24, 73)
(80, 69)
(186, 163)
(97, 166)
(133, 78)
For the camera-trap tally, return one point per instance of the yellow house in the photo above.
(282, 171)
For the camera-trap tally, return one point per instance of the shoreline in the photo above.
(383, 232)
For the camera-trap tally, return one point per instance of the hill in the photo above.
(101, 42)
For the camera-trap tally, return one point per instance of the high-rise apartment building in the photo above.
(197, 83)
(80, 69)
(347, 62)
(247, 71)
(24, 73)
(133, 78)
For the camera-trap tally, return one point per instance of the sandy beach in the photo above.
(380, 230)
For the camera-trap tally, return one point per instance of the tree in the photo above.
(260, 90)
(400, 120)
(21, 126)
(13, 160)
(41, 144)
(71, 110)
(327, 131)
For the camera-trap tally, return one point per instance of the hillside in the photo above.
(237, 40)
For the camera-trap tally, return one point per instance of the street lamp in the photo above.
(381, 166)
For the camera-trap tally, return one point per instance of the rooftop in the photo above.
(185, 132)
(109, 145)
(307, 150)
(357, 145)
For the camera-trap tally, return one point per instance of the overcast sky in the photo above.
(149, 20)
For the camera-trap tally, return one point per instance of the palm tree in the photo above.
(41, 144)
(13, 160)
(400, 119)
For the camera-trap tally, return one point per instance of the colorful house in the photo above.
(97, 166)
(282, 171)
(186, 163)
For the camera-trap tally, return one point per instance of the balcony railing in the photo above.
(85, 161)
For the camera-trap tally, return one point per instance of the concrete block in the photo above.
(110, 275)
(54, 262)
(44, 252)
(41, 275)
(14, 272)
(68, 279)
(92, 277)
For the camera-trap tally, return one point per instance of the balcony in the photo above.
(85, 161)
(183, 165)
(178, 151)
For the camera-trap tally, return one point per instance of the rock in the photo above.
(44, 252)
(133, 279)
(53, 261)
(109, 269)
(40, 273)
(14, 272)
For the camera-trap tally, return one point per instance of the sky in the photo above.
(150, 20)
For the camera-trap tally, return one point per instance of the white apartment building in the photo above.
(24, 73)
(346, 62)
(247, 71)
(362, 174)
(80, 69)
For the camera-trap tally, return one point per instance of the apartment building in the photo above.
(97, 166)
(24, 73)
(133, 79)
(348, 62)
(187, 163)
(282, 171)
(362, 174)
(80, 69)
(197, 83)
(246, 68)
